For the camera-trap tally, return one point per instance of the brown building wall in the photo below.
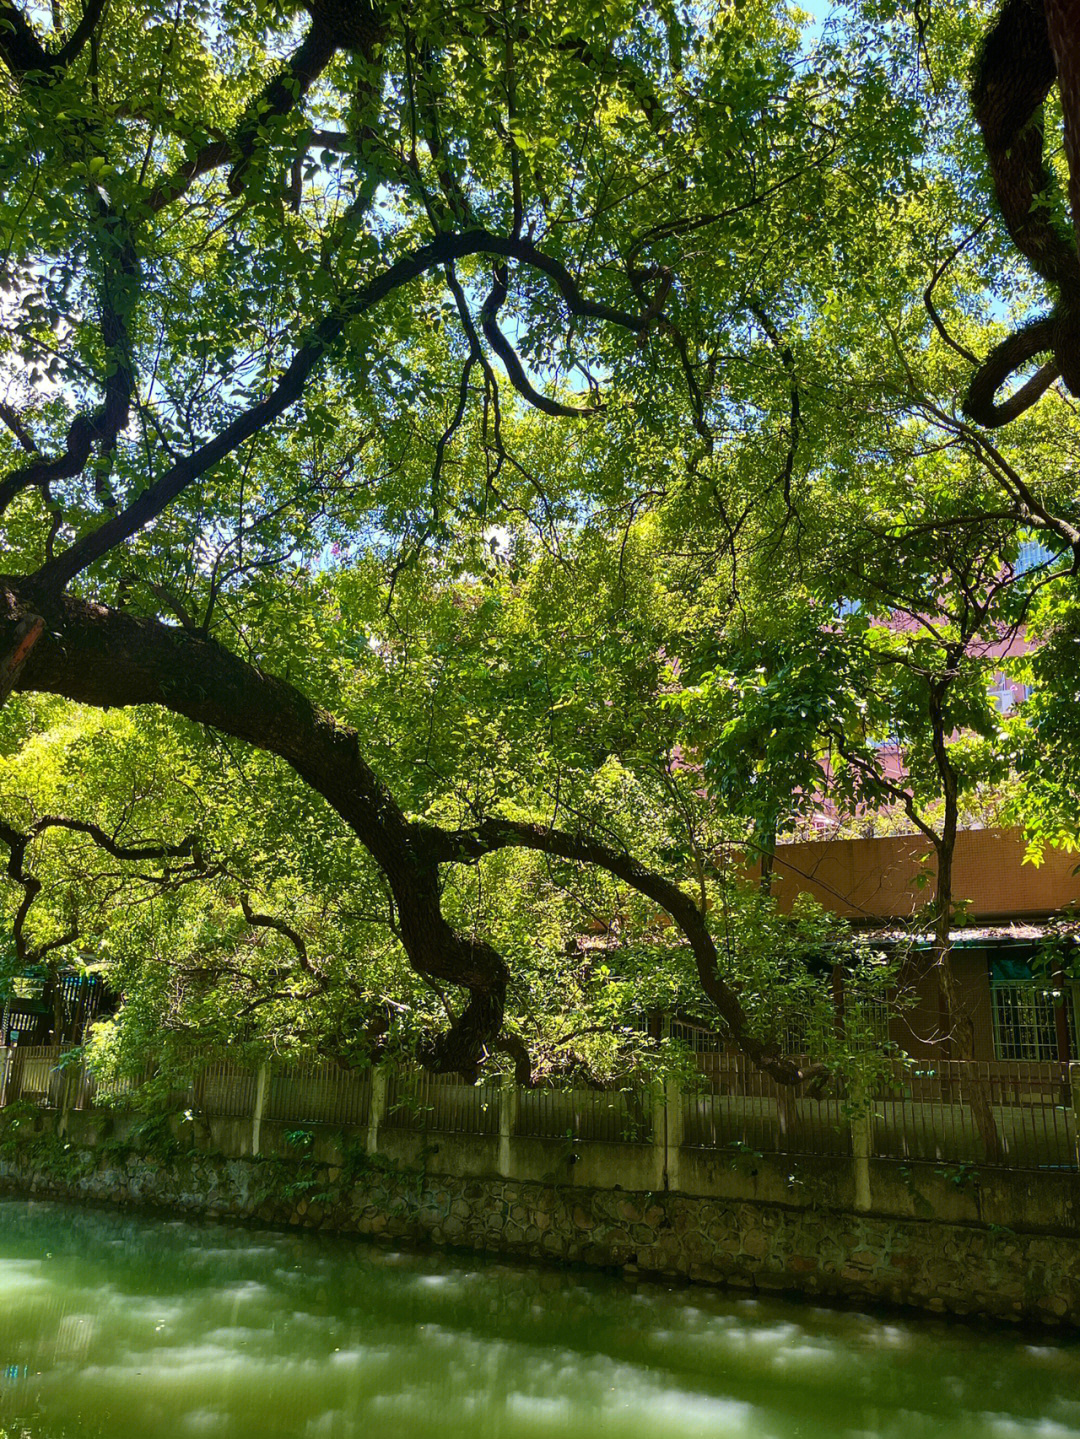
(892, 877)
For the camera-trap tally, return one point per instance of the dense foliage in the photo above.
(475, 473)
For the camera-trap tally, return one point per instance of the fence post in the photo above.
(673, 1120)
(508, 1113)
(663, 1120)
(67, 1095)
(862, 1134)
(262, 1083)
(378, 1107)
(1074, 1085)
(13, 1087)
(5, 1069)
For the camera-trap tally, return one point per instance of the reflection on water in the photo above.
(127, 1327)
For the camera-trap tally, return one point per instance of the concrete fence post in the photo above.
(378, 1107)
(673, 1112)
(1074, 1085)
(508, 1113)
(661, 1119)
(862, 1145)
(262, 1084)
(72, 1079)
(13, 1084)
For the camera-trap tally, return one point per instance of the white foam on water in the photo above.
(703, 1414)
(22, 1276)
(810, 1356)
(547, 1409)
(362, 1358)
(204, 1421)
(333, 1424)
(231, 1336)
(1003, 1426)
(244, 1290)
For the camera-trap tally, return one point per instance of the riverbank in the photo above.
(766, 1227)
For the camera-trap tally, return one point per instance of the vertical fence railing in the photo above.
(739, 1107)
(416, 1100)
(930, 1112)
(225, 1090)
(318, 1094)
(920, 1112)
(615, 1116)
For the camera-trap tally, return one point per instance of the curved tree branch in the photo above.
(106, 657)
(267, 921)
(1031, 44)
(1004, 360)
(56, 574)
(493, 834)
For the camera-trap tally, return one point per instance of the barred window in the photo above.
(1025, 1021)
(697, 1037)
(795, 1035)
(871, 1018)
(1030, 554)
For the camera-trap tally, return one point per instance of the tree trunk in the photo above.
(108, 658)
(959, 1027)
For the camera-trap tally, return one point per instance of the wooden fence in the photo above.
(936, 1112)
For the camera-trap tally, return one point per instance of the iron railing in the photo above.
(1009, 1114)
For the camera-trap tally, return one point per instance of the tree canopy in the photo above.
(500, 463)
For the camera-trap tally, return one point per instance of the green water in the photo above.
(124, 1327)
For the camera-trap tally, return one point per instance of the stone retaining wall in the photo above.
(807, 1247)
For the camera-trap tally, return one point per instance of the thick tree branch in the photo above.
(282, 93)
(55, 575)
(108, 658)
(102, 426)
(10, 417)
(267, 921)
(496, 834)
(24, 54)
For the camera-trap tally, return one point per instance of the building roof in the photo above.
(973, 936)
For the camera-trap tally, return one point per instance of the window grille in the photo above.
(871, 1020)
(795, 1035)
(696, 1037)
(1025, 1021)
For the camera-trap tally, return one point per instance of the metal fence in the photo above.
(619, 1116)
(440, 1103)
(1006, 1113)
(224, 1090)
(1011, 1114)
(318, 1094)
(740, 1108)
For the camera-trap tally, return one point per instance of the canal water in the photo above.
(146, 1328)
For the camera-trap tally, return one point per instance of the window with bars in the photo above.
(697, 1037)
(866, 1020)
(871, 1018)
(1030, 554)
(1025, 1021)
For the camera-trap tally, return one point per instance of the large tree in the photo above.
(285, 285)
